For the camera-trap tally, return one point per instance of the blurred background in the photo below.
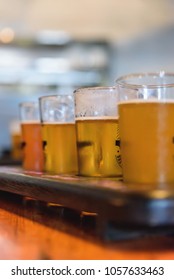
(49, 47)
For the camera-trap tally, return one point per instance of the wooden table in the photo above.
(33, 230)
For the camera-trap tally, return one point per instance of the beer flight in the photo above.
(124, 131)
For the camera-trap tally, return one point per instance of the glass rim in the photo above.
(90, 89)
(28, 103)
(121, 81)
(54, 96)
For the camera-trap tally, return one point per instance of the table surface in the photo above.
(33, 230)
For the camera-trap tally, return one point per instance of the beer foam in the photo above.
(97, 118)
(56, 123)
(153, 100)
(31, 122)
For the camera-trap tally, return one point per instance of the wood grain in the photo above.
(115, 201)
(33, 230)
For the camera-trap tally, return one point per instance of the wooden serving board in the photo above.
(117, 204)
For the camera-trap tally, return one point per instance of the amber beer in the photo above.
(147, 141)
(32, 146)
(98, 146)
(16, 152)
(59, 143)
(15, 137)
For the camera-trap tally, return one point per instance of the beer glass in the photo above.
(98, 140)
(31, 136)
(146, 122)
(58, 134)
(15, 136)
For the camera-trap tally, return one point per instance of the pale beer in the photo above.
(147, 140)
(32, 146)
(98, 145)
(59, 144)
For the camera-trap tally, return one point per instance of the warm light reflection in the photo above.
(7, 35)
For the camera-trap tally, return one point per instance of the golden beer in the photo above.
(32, 146)
(59, 142)
(16, 152)
(98, 144)
(147, 141)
